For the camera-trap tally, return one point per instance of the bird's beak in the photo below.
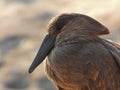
(46, 47)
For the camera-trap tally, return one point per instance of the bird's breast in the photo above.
(62, 61)
(64, 54)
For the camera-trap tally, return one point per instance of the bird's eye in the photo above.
(63, 20)
(60, 26)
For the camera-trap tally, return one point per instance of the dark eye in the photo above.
(63, 20)
(60, 24)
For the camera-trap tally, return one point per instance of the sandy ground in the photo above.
(23, 26)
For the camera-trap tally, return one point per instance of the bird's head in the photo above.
(67, 22)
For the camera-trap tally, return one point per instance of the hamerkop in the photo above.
(78, 59)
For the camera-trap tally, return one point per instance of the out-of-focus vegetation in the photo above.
(23, 26)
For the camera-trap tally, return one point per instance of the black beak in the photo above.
(46, 47)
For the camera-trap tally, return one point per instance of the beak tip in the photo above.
(30, 71)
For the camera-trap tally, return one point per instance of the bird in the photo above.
(77, 57)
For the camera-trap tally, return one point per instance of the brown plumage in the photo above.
(78, 59)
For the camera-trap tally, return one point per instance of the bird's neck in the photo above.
(75, 36)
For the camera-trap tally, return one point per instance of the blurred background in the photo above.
(23, 26)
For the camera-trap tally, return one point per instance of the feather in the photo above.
(114, 49)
